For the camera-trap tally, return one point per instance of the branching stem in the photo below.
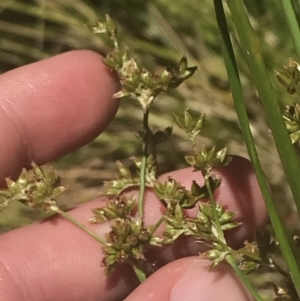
(81, 226)
(139, 273)
(156, 226)
(214, 206)
(143, 168)
(243, 277)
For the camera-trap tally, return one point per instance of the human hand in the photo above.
(52, 107)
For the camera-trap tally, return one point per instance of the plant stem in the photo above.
(296, 6)
(156, 226)
(139, 273)
(237, 92)
(243, 277)
(81, 226)
(214, 206)
(275, 266)
(143, 168)
(290, 16)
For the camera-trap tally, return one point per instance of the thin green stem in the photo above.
(291, 18)
(234, 79)
(275, 266)
(139, 273)
(296, 6)
(81, 226)
(116, 43)
(243, 277)
(214, 206)
(156, 226)
(143, 168)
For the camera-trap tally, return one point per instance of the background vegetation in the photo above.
(159, 32)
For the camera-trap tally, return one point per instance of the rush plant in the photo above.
(130, 237)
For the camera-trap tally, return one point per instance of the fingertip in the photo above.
(191, 279)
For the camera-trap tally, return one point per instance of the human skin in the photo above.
(52, 107)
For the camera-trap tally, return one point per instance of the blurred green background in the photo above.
(158, 32)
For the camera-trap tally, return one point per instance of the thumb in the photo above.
(190, 279)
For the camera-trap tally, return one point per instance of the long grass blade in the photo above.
(291, 18)
(237, 91)
(286, 151)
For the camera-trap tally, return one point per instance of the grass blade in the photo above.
(237, 92)
(292, 21)
(268, 97)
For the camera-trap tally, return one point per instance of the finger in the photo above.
(49, 108)
(38, 259)
(190, 279)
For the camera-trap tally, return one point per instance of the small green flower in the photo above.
(284, 292)
(292, 121)
(192, 126)
(216, 256)
(118, 207)
(170, 193)
(182, 73)
(290, 76)
(107, 27)
(250, 257)
(128, 179)
(207, 159)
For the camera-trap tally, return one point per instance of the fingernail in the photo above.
(199, 283)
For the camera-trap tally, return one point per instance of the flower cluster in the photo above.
(40, 192)
(292, 121)
(290, 79)
(136, 81)
(125, 244)
(126, 240)
(290, 76)
(128, 179)
(129, 238)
